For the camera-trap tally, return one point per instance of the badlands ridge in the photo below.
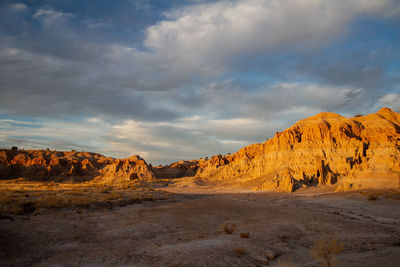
(324, 150)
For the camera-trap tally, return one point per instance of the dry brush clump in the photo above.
(229, 228)
(372, 197)
(286, 263)
(24, 197)
(323, 250)
(376, 194)
(239, 251)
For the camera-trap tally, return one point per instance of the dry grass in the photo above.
(372, 197)
(228, 228)
(375, 194)
(271, 255)
(239, 251)
(25, 197)
(324, 249)
(281, 263)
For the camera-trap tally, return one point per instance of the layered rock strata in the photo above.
(44, 165)
(124, 170)
(326, 149)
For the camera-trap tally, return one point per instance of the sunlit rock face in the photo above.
(44, 165)
(125, 170)
(187, 168)
(352, 153)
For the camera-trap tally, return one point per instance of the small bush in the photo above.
(271, 255)
(239, 251)
(228, 229)
(324, 249)
(372, 197)
(284, 263)
(79, 210)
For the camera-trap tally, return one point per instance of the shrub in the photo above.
(228, 229)
(239, 251)
(323, 250)
(284, 263)
(270, 254)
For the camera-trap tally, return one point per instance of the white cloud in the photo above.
(157, 142)
(391, 101)
(51, 14)
(61, 135)
(228, 99)
(205, 36)
(310, 94)
(18, 6)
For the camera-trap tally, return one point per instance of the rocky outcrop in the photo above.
(325, 149)
(187, 168)
(44, 165)
(124, 170)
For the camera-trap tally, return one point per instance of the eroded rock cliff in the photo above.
(44, 165)
(353, 153)
(187, 168)
(123, 170)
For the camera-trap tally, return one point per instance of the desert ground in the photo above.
(183, 224)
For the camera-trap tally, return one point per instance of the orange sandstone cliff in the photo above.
(44, 165)
(326, 149)
(178, 169)
(124, 170)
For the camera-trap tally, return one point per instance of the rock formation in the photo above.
(123, 170)
(178, 169)
(326, 149)
(44, 165)
(50, 165)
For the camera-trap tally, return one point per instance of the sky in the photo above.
(180, 80)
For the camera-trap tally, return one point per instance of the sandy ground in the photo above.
(189, 230)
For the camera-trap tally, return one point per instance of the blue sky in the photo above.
(173, 80)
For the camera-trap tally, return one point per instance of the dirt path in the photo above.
(191, 230)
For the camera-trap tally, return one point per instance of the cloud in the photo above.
(391, 101)
(192, 46)
(228, 99)
(18, 6)
(206, 36)
(53, 134)
(52, 14)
